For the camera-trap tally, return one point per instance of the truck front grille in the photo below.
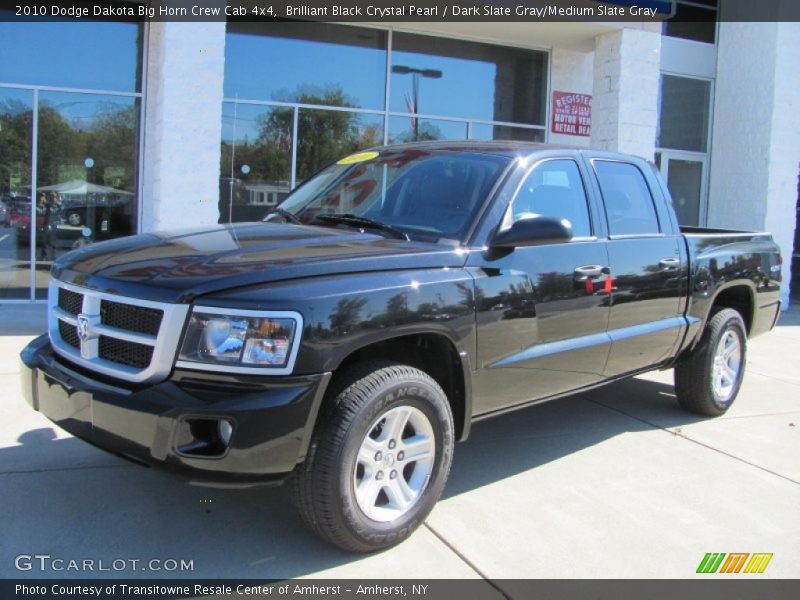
(130, 318)
(125, 353)
(117, 336)
(70, 302)
(69, 334)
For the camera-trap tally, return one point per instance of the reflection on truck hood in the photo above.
(177, 266)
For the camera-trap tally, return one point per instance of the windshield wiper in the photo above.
(282, 212)
(364, 223)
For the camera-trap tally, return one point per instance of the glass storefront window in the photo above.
(325, 136)
(84, 54)
(438, 76)
(87, 168)
(256, 160)
(275, 72)
(684, 113)
(411, 129)
(16, 116)
(78, 183)
(310, 63)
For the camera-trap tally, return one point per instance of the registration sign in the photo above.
(572, 114)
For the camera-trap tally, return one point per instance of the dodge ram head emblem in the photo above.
(84, 327)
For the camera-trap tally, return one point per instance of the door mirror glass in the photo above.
(534, 231)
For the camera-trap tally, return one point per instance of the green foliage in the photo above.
(15, 145)
(109, 138)
(324, 136)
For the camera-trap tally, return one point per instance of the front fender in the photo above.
(345, 313)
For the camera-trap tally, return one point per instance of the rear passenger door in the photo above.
(645, 260)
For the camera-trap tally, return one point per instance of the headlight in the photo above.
(241, 341)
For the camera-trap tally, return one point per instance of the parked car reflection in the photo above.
(76, 213)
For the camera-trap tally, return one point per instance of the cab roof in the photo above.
(508, 149)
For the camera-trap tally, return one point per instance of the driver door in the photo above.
(542, 311)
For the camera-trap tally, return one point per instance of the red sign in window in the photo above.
(572, 114)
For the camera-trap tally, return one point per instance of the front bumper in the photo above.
(272, 417)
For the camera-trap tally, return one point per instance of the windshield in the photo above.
(427, 194)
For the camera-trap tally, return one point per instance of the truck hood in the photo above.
(178, 266)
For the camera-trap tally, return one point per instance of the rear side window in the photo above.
(555, 189)
(629, 204)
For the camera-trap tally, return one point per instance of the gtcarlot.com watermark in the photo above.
(45, 563)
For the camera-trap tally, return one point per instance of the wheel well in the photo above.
(739, 299)
(429, 352)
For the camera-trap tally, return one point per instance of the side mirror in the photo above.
(533, 231)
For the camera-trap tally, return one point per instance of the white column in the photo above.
(183, 125)
(626, 80)
(755, 146)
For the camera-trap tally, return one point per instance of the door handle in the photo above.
(669, 263)
(588, 272)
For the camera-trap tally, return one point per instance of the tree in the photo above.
(16, 120)
(425, 132)
(324, 136)
(346, 315)
(112, 144)
(60, 145)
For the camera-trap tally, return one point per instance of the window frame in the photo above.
(508, 214)
(623, 236)
(709, 109)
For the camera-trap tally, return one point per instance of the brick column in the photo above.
(183, 125)
(626, 81)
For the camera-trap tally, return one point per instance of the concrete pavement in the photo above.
(618, 482)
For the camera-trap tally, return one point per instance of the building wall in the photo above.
(752, 184)
(784, 158)
(626, 80)
(183, 124)
(571, 71)
(756, 136)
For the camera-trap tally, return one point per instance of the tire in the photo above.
(708, 381)
(358, 487)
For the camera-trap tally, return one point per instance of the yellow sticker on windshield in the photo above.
(357, 158)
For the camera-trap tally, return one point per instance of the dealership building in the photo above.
(111, 128)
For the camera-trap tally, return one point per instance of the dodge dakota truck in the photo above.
(347, 342)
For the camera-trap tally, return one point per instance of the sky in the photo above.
(260, 68)
(82, 54)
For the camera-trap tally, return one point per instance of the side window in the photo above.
(555, 189)
(629, 203)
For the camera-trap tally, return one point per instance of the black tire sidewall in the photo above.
(407, 392)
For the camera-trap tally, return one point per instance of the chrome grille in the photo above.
(127, 338)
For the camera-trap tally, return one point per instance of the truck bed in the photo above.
(704, 231)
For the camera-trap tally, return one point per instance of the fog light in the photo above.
(225, 429)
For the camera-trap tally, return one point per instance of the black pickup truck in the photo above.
(394, 298)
